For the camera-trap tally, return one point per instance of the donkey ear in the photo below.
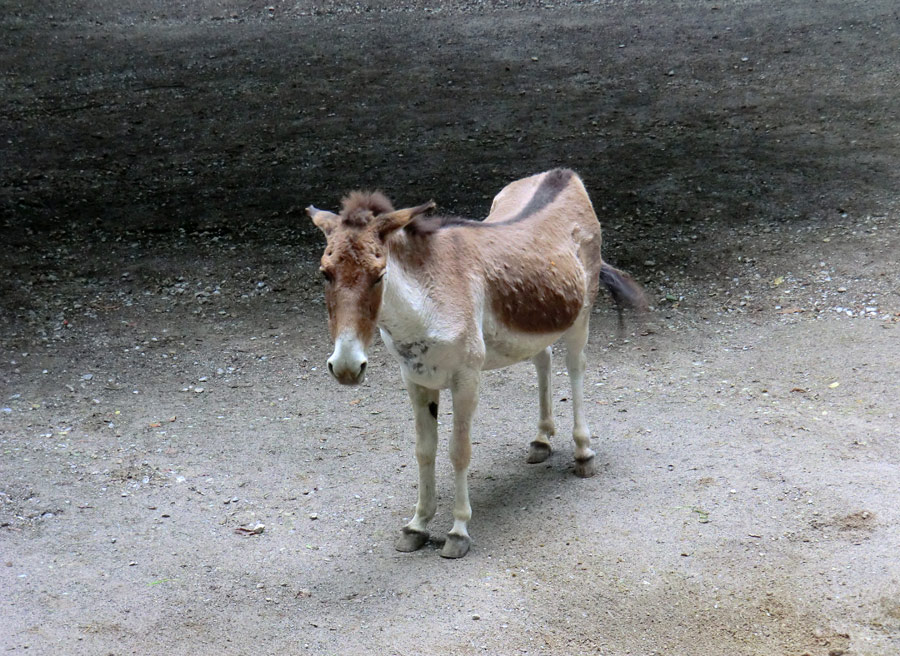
(385, 224)
(326, 221)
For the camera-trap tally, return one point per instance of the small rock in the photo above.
(87, 376)
(314, 515)
(256, 530)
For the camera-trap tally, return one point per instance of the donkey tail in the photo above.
(624, 290)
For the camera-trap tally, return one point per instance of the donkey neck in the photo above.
(420, 284)
(405, 303)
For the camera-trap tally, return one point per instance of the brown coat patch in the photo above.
(535, 293)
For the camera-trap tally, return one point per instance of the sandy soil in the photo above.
(162, 332)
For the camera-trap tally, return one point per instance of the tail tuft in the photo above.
(624, 290)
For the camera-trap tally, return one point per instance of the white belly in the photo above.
(504, 347)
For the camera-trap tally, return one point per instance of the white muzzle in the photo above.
(348, 362)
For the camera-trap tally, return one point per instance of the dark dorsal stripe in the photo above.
(551, 186)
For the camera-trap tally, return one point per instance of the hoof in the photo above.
(585, 468)
(538, 452)
(456, 546)
(410, 540)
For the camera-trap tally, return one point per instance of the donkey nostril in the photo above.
(330, 368)
(362, 369)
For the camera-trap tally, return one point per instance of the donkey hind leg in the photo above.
(539, 449)
(465, 399)
(425, 408)
(575, 339)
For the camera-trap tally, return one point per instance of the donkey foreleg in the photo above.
(464, 388)
(539, 449)
(575, 339)
(425, 408)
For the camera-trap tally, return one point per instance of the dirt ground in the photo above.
(162, 332)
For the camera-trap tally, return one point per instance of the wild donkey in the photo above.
(452, 298)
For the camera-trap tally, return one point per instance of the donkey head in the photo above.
(353, 266)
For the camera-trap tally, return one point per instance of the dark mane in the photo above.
(358, 207)
(551, 186)
(423, 226)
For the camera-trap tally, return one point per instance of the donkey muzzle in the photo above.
(348, 362)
